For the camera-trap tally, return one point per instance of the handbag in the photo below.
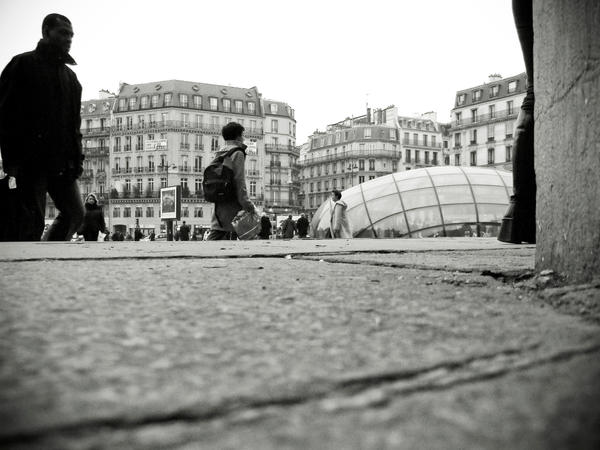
(246, 225)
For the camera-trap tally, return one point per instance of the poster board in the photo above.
(170, 202)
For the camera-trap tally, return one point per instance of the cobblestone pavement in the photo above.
(293, 345)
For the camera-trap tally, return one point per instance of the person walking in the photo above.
(40, 138)
(93, 220)
(302, 226)
(340, 226)
(288, 228)
(184, 232)
(265, 227)
(226, 210)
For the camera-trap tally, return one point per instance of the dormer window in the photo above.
(273, 108)
(214, 104)
(168, 98)
(477, 95)
(460, 99)
(251, 107)
(512, 86)
(494, 91)
(226, 104)
(183, 100)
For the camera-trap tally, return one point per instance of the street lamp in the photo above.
(351, 168)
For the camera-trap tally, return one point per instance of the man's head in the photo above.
(184, 222)
(57, 31)
(233, 131)
(290, 217)
(337, 195)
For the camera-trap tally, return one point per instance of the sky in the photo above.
(327, 59)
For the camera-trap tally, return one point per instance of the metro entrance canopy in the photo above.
(428, 202)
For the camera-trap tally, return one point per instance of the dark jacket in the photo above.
(288, 228)
(302, 225)
(225, 211)
(40, 119)
(184, 232)
(93, 222)
(265, 227)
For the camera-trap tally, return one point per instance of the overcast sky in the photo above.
(326, 58)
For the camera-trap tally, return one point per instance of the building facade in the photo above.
(281, 177)
(363, 148)
(165, 133)
(483, 118)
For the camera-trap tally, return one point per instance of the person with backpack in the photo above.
(224, 183)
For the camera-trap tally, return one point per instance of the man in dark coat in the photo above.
(265, 227)
(302, 226)
(288, 228)
(93, 220)
(40, 140)
(184, 232)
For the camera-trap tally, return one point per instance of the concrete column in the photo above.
(567, 136)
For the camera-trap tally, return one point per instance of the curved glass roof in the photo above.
(429, 202)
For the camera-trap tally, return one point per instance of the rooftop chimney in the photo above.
(494, 77)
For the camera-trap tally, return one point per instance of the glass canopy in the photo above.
(429, 202)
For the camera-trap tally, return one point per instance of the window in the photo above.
(127, 143)
(163, 182)
(392, 134)
(425, 140)
(198, 185)
(473, 158)
(367, 133)
(456, 139)
(198, 212)
(361, 179)
(407, 155)
(251, 107)
(185, 212)
(239, 106)
(491, 155)
(183, 100)
(128, 185)
(371, 164)
(474, 115)
(473, 136)
(197, 163)
(494, 90)
(214, 143)
(117, 164)
(214, 103)
(458, 116)
(435, 158)
(168, 99)
(151, 184)
(117, 144)
(164, 117)
(150, 162)
(197, 101)
(477, 95)
(433, 139)
(361, 164)
(512, 86)
(154, 101)
(116, 211)
(509, 107)
(394, 165)
(184, 144)
(214, 122)
(508, 153)
(253, 189)
(417, 156)
(150, 211)
(127, 211)
(253, 125)
(273, 108)
(184, 183)
(274, 126)
(457, 159)
(426, 157)
(122, 104)
(460, 99)
(490, 132)
(226, 105)
(129, 122)
(492, 111)
(509, 129)
(138, 211)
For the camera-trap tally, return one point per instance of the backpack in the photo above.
(218, 183)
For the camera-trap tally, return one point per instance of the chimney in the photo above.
(368, 115)
(494, 77)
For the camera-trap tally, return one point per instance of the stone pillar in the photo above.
(567, 136)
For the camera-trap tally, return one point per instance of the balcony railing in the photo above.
(421, 143)
(184, 168)
(381, 153)
(275, 163)
(95, 151)
(183, 146)
(95, 131)
(178, 125)
(281, 148)
(482, 118)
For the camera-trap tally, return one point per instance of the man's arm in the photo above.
(10, 88)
